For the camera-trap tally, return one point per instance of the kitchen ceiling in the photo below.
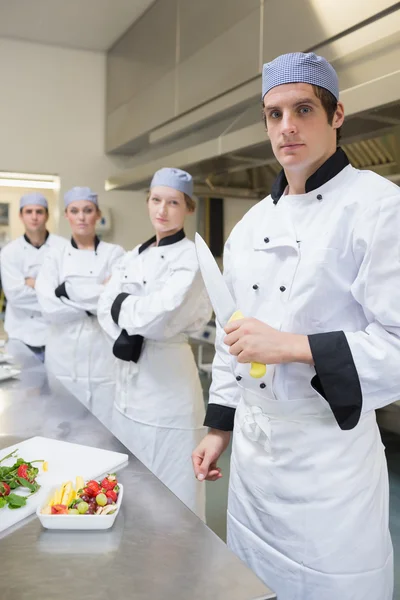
(86, 25)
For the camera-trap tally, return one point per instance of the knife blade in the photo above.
(221, 299)
(220, 296)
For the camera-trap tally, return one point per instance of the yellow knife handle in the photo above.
(257, 370)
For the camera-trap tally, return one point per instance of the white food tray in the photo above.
(6, 358)
(8, 372)
(65, 462)
(78, 522)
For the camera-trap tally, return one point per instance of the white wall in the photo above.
(52, 105)
(52, 121)
(234, 210)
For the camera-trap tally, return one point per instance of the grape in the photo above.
(91, 510)
(73, 511)
(101, 499)
(85, 498)
(83, 507)
(109, 501)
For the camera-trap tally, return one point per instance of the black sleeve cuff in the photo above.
(60, 291)
(337, 378)
(220, 417)
(116, 306)
(128, 347)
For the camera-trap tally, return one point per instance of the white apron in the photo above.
(159, 406)
(294, 526)
(308, 500)
(78, 353)
(79, 356)
(163, 445)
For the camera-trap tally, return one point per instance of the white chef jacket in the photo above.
(19, 260)
(155, 299)
(308, 501)
(78, 352)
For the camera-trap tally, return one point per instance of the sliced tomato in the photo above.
(23, 471)
(4, 489)
(59, 509)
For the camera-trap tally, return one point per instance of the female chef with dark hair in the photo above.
(68, 288)
(154, 300)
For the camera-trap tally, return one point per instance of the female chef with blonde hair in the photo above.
(153, 301)
(68, 288)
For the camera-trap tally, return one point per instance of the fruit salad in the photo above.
(90, 498)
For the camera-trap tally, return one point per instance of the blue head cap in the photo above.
(34, 198)
(298, 67)
(80, 193)
(174, 178)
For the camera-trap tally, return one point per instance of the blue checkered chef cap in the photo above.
(298, 67)
(34, 198)
(174, 178)
(80, 193)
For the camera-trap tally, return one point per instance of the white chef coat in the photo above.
(157, 295)
(308, 500)
(19, 260)
(78, 353)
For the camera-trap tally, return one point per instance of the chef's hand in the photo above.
(251, 340)
(30, 282)
(207, 453)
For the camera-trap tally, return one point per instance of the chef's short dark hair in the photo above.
(329, 104)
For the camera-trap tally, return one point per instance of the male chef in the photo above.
(315, 267)
(21, 260)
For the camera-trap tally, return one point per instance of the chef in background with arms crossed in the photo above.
(21, 260)
(155, 299)
(69, 285)
(315, 267)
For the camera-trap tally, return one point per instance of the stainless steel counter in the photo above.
(157, 550)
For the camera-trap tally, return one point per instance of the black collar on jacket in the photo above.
(329, 169)
(96, 243)
(167, 241)
(29, 241)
